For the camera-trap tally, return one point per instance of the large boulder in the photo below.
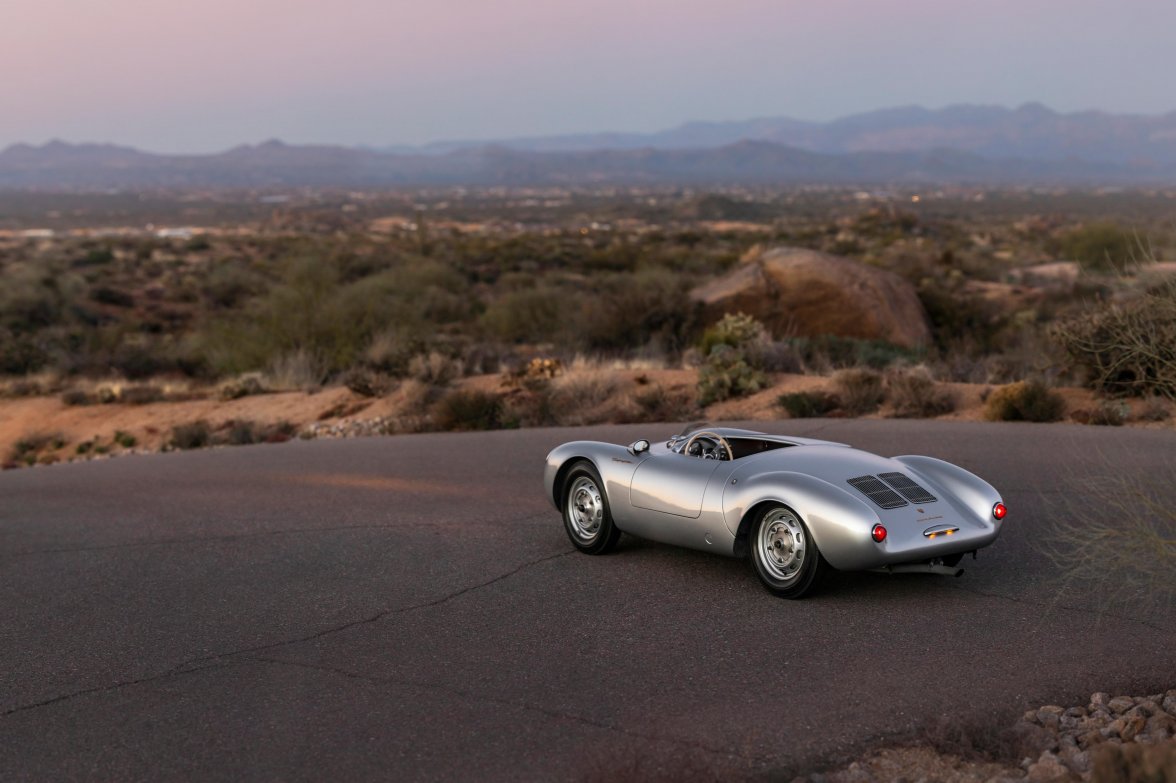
(802, 293)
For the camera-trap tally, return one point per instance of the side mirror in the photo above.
(639, 446)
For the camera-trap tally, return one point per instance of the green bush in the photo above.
(469, 409)
(726, 373)
(735, 330)
(732, 366)
(1102, 247)
(534, 315)
(831, 351)
(1024, 401)
(809, 404)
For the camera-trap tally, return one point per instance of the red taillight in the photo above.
(999, 511)
(878, 533)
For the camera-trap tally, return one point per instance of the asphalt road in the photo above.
(409, 609)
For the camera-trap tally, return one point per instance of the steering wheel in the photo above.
(713, 436)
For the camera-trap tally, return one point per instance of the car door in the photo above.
(672, 484)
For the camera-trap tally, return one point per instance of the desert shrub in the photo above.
(241, 432)
(1126, 348)
(588, 396)
(726, 373)
(808, 404)
(96, 257)
(125, 439)
(1024, 401)
(828, 352)
(1102, 247)
(533, 315)
(656, 403)
(21, 354)
(860, 390)
(295, 371)
(913, 393)
(242, 386)
(198, 243)
(28, 447)
(782, 356)
(1113, 538)
(733, 351)
(194, 435)
(1109, 413)
(469, 409)
(231, 285)
(78, 397)
(961, 322)
(1155, 409)
(648, 308)
(434, 369)
(112, 296)
(734, 330)
(312, 312)
(391, 350)
(365, 382)
(140, 394)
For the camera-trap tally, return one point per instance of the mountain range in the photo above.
(958, 144)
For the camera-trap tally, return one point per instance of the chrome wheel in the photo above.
(780, 545)
(585, 509)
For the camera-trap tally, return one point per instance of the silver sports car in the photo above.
(796, 505)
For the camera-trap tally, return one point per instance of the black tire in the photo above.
(784, 554)
(586, 515)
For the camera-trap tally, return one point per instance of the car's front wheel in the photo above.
(587, 519)
(785, 556)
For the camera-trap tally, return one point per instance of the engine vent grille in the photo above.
(907, 488)
(876, 491)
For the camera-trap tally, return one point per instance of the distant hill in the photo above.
(959, 144)
(1032, 131)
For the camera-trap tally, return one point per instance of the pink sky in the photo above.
(199, 76)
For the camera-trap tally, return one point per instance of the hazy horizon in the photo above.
(171, 78)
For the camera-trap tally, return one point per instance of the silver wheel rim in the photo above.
(585, 510)
(781, 545)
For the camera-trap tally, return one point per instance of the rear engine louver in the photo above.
(907, 488)
(876, 491)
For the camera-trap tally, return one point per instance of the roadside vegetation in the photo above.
(410, 296)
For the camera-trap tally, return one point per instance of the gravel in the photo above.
(1127, 739)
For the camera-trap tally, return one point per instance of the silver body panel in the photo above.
(677, 499)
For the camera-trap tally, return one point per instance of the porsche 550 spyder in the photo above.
(795, 506)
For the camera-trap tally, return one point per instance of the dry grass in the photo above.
(859, 389)
(590, 396)
(1024, 401)
(297, 371)
(913, 394)
(1117, 540)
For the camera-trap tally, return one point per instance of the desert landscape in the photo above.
(513, 310)
(596, 391)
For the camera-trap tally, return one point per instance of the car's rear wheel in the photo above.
(785, 556)
(587, 519)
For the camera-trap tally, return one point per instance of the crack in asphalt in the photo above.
(192, 665)
(486, 699)
(258, 534)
